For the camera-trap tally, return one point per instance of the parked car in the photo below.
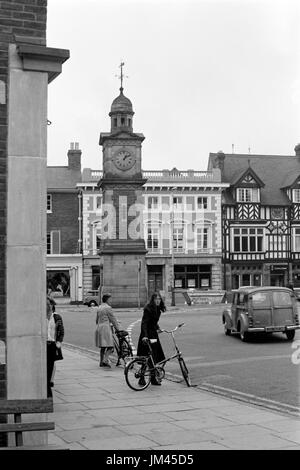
(297, 293)
(262, 309)
(91, 298)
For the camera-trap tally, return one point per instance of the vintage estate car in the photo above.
(262, 309)
(91, 298)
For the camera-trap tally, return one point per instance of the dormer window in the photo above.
(296, 195)
(247, 195)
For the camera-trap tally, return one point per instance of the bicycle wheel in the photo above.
(126, 349)
(184, 371)
(137, 374)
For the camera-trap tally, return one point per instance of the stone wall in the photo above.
(18, 18)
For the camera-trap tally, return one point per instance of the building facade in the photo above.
(183, 206)
(260, 218)
(64, 257)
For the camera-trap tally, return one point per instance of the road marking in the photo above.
(129, 329)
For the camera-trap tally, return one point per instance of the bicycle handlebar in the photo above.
(176, 328)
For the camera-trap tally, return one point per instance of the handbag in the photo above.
(58, 354)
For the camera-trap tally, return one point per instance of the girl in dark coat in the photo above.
(150, 329)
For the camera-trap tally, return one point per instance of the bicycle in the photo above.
(121, 345)
(138, 371)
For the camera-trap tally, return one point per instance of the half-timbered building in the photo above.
(260, 218)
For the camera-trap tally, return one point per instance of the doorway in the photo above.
(155, 279)
(277, 279)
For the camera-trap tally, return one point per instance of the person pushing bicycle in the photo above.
(149, 331)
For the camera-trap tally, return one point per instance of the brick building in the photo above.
(64, 258)
(26, 68)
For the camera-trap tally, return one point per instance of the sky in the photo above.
(202, 76)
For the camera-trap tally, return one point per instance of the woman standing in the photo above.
(103, 335)
(55, 336)
(150, 329)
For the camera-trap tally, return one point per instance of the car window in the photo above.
(261, 299)
(241, 299)
(282, 299)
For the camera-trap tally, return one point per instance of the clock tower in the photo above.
(122, 242)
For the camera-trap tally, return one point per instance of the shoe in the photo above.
(105, 364)
(142, 381)
(51, 384)
(155, 382)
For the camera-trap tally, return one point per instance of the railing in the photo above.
(95, 175)
(178, 175)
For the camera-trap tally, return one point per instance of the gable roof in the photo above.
(275, 171)
(238, 179)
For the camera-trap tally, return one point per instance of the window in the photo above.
(248, 239)
(202, 239)
(122, 121)
(296, 239)
(277, 243)
(129, 122)
(152, 239)
(296, 195)
(178, 239)
(247, 195)
(261, 299)
(202, 202)
(282, 299)
(53, 242)
(98, 202)
(152, 202)
(115, 122)
(246, 280)
(177, 202)
(49, 203)
(98, 242)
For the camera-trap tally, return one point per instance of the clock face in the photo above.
(124, 160)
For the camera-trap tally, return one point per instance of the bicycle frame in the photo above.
(177, 355)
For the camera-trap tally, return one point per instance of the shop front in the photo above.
(64, 278)
(192, 276)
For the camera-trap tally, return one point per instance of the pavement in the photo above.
(94, 409)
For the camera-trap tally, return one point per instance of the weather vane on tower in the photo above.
(121, 76)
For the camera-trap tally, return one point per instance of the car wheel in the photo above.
(93, 303)
(227, 331)
(244, 335)
(290, 334)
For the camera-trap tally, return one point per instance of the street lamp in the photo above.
(172, 252)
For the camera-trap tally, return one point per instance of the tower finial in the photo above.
(121, 76)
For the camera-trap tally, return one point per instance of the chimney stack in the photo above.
(219, 161)
(74, 157)
(297, 150)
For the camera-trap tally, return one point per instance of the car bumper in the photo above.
(273, 329)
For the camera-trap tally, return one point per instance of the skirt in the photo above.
(103, 336)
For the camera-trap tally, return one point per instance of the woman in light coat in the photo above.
(103, 335)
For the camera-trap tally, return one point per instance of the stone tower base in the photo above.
(124, 278)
